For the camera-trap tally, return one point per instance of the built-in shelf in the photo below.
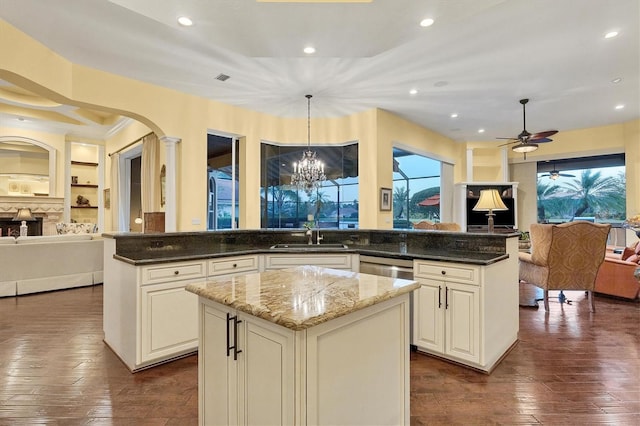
(84, 190)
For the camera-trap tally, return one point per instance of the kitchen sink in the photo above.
(309, 247)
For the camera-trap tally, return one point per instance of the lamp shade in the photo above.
(489, 200)
(23, 214)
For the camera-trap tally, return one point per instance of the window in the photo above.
(591, 188)
(222, 177)
(333, 205)
(416, 189)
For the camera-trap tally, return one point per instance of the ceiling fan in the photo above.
(525, 141)
(555, 174)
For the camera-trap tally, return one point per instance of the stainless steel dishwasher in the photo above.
(394, 268)
(386, 267)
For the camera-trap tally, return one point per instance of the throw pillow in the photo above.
(634, 258)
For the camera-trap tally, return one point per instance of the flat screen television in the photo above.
(502, 219)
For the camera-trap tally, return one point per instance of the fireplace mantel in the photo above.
(50, 209)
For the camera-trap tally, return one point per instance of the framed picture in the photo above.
(107, 198)
(385, 199)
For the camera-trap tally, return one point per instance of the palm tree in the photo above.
(596, 192)
(400, 197)
(545, 190)
(318, 199)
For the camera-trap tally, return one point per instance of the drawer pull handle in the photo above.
(235, 265)
(176, 272)
(443, 272)
(446, 298)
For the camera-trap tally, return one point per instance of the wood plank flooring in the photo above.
(570, 367)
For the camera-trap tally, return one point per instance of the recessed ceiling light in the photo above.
(185, 21)
(616, 80)
(427, 22)
(413, 91)
(454, 115)
(309, 50)
(619, 106)
(480, 130)
(611, 34)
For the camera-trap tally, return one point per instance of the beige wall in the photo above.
(171, 113)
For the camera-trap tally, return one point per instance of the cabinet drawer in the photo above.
(233, 265)
(173, 272)
(336, 261)
(447, 271)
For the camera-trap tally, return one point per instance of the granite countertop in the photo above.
(166, 254)
(301, 297)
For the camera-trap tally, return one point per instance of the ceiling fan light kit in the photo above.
(526, 141)
(524, 147)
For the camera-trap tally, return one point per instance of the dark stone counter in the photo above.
(470, 248)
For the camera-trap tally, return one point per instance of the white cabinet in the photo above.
(148, 317)
(248, 374)
(233, 265)
(466, 313)
(346, 261)
(168, 324)
(251, 371)
(447, 310)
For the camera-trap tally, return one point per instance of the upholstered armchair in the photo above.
(564, 257)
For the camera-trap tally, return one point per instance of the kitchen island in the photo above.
(306, 345)
(150, 319)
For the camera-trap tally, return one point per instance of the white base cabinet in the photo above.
(242, 365)
(148, 316)
(351, 370)
(466, 313)
(168, 321)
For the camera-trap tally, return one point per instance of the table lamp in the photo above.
(489, 201)
(24, 215)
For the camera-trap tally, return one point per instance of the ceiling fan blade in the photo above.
(543, 135)
(513, 139)
(565, 175)
(509, 143)
(543, 140)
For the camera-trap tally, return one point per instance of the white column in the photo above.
(469, 177)
(171, 188)
(504, 159)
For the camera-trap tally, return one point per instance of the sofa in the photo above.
(34, 264)
(615, 277)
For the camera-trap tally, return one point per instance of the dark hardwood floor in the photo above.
(570, 367)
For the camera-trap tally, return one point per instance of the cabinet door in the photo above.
(428, 321)
(217, 391)
(266, 373)
(462, 321)
(168, 321)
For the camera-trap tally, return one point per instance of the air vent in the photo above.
(222, 77)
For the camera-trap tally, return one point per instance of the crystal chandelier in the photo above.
(309, 172)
